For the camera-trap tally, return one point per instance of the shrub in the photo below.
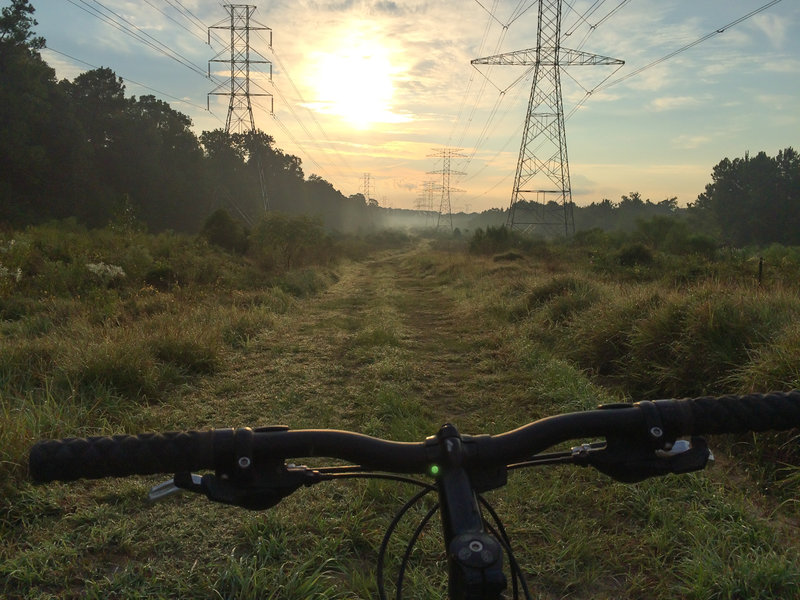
(287, 241)
(635, 254)
(223, 231)
(493, 240)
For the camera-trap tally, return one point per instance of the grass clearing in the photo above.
(393, 346)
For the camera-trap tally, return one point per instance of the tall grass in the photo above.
(96, 322)
(398, 346)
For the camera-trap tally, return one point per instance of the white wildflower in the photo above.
(106, 272)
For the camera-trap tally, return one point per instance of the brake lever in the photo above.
(630, 462)
(170, 487)
(259, 492)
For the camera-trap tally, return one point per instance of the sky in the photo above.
(367, 92)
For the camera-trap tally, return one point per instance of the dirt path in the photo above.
(385, 327)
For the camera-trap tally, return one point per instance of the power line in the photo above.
(169, 51)
(518, 13)
(602, 85)
(491, 14)
(299, 145)
(690, 45)
(133, 81)
(610, 14)
(178, 23)
(285, 72)
(187, 14)
(157, 46)
(465, 95)
(583, 17)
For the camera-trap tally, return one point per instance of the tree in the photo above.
(16, 26)
(754, 200)
(163, 165)
(99, 99)
(39, 161)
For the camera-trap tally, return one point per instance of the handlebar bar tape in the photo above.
(121, 455)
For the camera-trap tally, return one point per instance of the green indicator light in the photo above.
(434, 470)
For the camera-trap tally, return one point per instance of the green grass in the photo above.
(394, 346)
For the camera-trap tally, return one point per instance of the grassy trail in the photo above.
(397, 346)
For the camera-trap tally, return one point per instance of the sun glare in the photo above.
(354, 82)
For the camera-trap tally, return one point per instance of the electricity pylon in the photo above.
(446, 154)
(366, 187)
(237, 88)
(240, 108)
(542, 175)
(425, 200)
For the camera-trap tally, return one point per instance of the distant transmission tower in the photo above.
(543, 168)
(425, 200)
(446, 154)
(366, 187)
(238, 87)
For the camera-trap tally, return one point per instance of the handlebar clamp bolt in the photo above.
(244, 462)
(656, 432)
(475, 546)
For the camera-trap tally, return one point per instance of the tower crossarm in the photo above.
(549, 57)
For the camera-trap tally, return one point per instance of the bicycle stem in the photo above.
(475, 558)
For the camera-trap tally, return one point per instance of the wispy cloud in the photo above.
(690, 142)
(675, 103)
(774, 28)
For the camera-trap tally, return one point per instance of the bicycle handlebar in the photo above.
(656, 423)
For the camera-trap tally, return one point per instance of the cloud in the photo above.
(783, 65)
(388, 7)
(773, 27)
(777, 101)
(403, 184)
(674, 103)
(690, 142)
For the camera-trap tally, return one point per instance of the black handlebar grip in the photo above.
(121, 455)
(739, 414)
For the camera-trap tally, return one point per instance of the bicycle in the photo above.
(641, 440)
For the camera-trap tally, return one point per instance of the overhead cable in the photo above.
(690, 45)
(133, 81)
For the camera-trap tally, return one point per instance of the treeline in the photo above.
(750, 201)
(84, 149)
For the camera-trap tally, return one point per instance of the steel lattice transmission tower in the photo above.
(425, 200)
(446, 154)
(366, 187)
(542, 174)
(238, 87)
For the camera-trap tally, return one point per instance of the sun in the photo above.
(355, 83)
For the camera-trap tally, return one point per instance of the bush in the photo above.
(492, 241)
(223, 231)
(634, 255)
(286, 241)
